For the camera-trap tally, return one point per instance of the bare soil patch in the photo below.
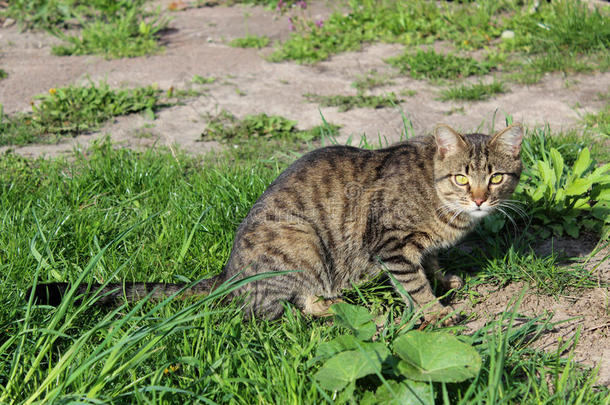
(247, 83)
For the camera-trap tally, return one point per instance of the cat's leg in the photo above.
(410, 274)
(447, 280)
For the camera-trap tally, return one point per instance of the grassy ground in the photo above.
(75, 110)
(109, 215)
(113, 214)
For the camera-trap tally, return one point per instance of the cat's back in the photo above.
(325, 169)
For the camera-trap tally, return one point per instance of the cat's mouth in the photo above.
(479, 212)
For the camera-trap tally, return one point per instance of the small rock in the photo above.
(8, 22)
(508, 34)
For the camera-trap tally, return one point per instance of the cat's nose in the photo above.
(479, 201)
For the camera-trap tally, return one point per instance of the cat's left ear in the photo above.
(509, 139)
(448, 140)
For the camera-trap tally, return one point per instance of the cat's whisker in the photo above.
(446, 208)
(457, 213)
(516, 209)
(507, 215)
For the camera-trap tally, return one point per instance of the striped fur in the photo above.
(340, 214)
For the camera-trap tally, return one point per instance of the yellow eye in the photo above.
(461, 180)
(496, 179)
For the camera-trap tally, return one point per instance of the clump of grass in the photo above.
(3, 74)
(41, 14)
(346, 103)
(409, 23)
(564, 26)
(565, 36)
(250, 41)
(197, 79)
(431, 65)
(261, 134)
(112, 29)
(371, 80)
(472, 92)
(127, 34)
(225, 126)
(73, 110)
(599, 122)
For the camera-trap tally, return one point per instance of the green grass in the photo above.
(409, 23)
(600, 121)
(73, 110)
(108, 28)
(346, 103)
(250, 41)
(197, 79)
(371, 80)
(262, 135)
(113, 214)
(127, 34)
(564, 36)
(431, 65)
(3, 74)
(472, 92)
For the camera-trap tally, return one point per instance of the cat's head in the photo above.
(475, 173)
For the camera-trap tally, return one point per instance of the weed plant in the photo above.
(565, 36)
(126, 34)
(250, 41)
(73, 110)
(473, 92)
(371, 80)
(346, 103)
(263, 135)
(431, 65)
(113, 29)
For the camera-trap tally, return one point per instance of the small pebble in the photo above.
(508, 34)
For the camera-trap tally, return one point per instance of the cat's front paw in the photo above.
(452, 282)
(446, 315)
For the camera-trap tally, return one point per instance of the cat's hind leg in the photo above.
(318, 306)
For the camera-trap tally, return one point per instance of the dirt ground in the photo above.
(196, 44)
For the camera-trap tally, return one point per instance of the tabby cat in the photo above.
(340, 214)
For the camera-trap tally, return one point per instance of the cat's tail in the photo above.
(116, 293)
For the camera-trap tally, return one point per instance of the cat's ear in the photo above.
(509, 139)
(448, 141)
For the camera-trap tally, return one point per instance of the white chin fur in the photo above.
(478, 213)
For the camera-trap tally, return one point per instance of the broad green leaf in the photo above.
(346, 367)
(557, 229)
(603, 194)
(598, 173)
(583, 161)
(436, 356)
(405, 392)
(349, 342)
(337, 345)
(548, 175)
(578, 187)
(557, 160)
(355, 318)
(602, 211)
(538, 194)
(571, 227)
(582, 204)
(560, 196)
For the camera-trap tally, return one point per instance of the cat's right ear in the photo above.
(448, 141)
(509, 139)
